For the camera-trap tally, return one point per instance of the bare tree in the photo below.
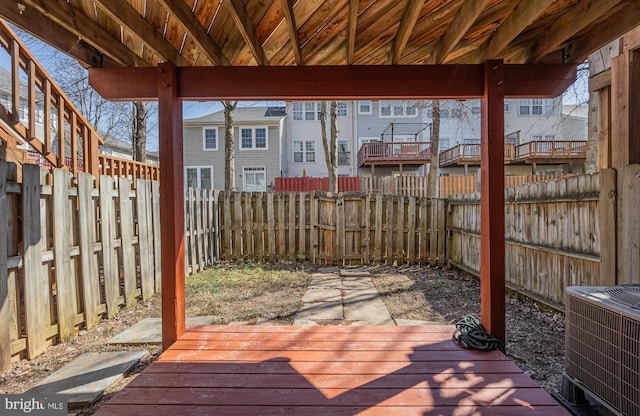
(330, 144)
(432, 178)
(229, 145)
(139, 144)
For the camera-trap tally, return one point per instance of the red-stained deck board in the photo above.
(256, 370)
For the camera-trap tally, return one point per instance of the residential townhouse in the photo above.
(303, 148)
(258, 134)
(386, 137)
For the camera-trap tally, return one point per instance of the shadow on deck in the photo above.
(339, 370)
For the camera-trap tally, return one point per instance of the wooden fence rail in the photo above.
(70, 255)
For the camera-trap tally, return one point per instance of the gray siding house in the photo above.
(258, 133)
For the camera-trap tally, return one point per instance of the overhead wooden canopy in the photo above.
(322, 49)
(138, 33)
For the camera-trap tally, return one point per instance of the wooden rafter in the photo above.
(521, 17)
(352, 28)
(56, 36)
(294, 39)
(127, 16)
(579, 16)
(76, 22)
(333, 82)
(409, 19)
(611, 28)
(198, 33)
(464, 18)
(248, 32)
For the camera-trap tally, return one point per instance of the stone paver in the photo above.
(84, 380)
(149, 330)
(351, 297)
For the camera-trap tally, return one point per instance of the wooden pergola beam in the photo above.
(243, 23)
(579, 16)
(611, 28)
(409, 19)
(76, 22)
(333, 82)
(294, 39)
(127, 16)
(525, 12)
(172, 209)
(352, 30)
(56, 35)
(492, 241)
(463, 20)
(194, 28)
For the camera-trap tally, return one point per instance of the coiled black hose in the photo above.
(470, 333)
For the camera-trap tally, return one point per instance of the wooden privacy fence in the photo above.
(554, 233)
(456, 185)
(314, 227)
(308, 184)
(70, 255)
(395, 185)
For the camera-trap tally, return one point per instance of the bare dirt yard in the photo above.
(251, 293)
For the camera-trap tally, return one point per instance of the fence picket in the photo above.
(107, 237)
(65, 275)
(36, 284)
(131, 291)
(146, 277)
(155, 194)
(89, 261)
(5, 311)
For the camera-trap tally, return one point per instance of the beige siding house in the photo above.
(258, 133)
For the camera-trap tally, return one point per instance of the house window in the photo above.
(298, 111)
(210, 138)
(304, 151)
(342, 109)
(364, 107)
(397, 109)
(535, 106)
(253, 138)
(476, 109)
(472, 141)
(310, 111)
(344, 155)
(255, 179)
(443, 144)
(199, 177)
(507, 107)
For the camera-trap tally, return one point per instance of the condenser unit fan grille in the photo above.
(628, 295)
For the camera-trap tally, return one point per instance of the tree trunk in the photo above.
(591, 162)
(432, 178)
(330, 144)
(229, 146)
(140, 131)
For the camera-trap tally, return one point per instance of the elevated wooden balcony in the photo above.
(547, 151)
(394, 153)
(469, 154)
(537, 151)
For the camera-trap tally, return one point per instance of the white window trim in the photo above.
(199, 177)
(253, 137)
(370, 107)
(204, 138)
(304, 151)
(256, 169)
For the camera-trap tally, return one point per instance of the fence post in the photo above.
(5, 311)
(155, 192)
(442, 233)
(88, 259)
(340, 230)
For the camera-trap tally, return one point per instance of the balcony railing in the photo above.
(394, 153)
(469, 154)
(550, 150)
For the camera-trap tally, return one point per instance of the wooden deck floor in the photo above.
(331, 370)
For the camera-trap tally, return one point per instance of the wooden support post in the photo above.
(492, 243)
(172, 210)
